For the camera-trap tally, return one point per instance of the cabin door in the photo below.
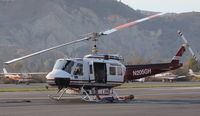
(100, 72)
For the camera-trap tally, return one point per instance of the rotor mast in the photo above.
(93, 36)
(94, 48)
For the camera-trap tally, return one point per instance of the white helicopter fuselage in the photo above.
(100, 71)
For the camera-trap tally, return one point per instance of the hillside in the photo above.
(27, 26)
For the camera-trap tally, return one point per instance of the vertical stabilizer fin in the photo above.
(5, 71)
(179, 54)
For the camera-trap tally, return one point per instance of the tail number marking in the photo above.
(141, 72)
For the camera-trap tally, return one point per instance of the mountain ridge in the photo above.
(25, 28)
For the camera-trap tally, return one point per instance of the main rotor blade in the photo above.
(45, 50)
(88, 37)
(130, 24)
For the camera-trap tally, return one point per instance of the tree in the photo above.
(194, 64)
(16, 67)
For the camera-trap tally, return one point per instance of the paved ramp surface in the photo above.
(160, 101)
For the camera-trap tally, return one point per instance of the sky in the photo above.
(169, 6)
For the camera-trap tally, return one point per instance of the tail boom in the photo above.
(140, 71)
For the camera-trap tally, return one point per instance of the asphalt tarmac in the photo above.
(159, 101)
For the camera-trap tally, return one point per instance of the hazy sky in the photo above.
(176, 6)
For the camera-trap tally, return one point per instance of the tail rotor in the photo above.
(187, 44)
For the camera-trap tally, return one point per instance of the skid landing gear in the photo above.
(65, 91)
(85, 96)
(58, 95)
(92, 95)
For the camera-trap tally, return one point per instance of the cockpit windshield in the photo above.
(60, 64)
(65, 65)
(68, 66)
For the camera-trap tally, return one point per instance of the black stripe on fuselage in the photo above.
(147, 65)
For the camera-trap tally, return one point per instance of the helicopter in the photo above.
(95, 72)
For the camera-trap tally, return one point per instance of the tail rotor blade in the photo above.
(191, 51)
(186, 42)
(182, 36)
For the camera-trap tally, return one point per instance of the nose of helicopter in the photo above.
(58, 78)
